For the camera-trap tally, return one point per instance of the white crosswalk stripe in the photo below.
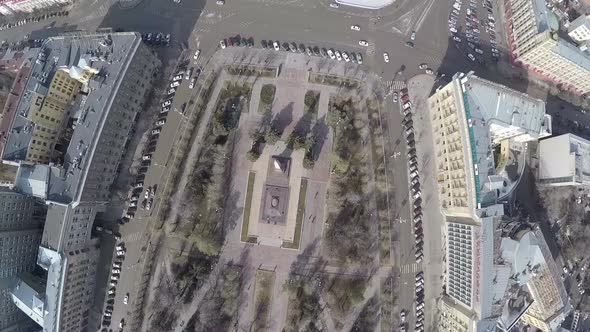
(394, 85)
(371, 48)
(132, 237)
(411, 268)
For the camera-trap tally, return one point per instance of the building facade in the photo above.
(471, 118)
(95, 84)
(564, 161)
(12, 7)
(534, 43)
(20, 235)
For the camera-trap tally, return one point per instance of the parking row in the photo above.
(293, 47)
(416, 198)
(37, 18)
(138, 198)
(115, 274)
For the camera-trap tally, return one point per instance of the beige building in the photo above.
(12, 7)
(471, 117)
(534, 42)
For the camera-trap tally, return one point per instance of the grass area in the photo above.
(334, 80)
(247, 207)
(377, 141)
(311, 102)
(299, 218)
(265, 281)
(251, 70)
(267, 96)
(342, 294)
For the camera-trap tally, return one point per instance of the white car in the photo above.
(108, 314)
(115, 271)
(220, 2)
(171, 91)
(192, 83)
(363, 43)
(457, 39)
(174, 84)
(422, 66)
(345, 56)
(177, 78)
(197, 53)
(167, 103)
(334, 5)
(276, 46)
(453, 30)
(355, 28)
(471, 57)
(165, 109)
(479, 51)
(146, 157)
(429, 71)
(413, 36)
(160, 122)
(386, 56)
(338, 56)
(331, 54)
(126, 299)
(120, 253)
(222, 43)
(359, 58)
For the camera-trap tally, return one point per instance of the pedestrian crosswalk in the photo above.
(394, 85)
(371, 48)
(134, 237)
(411, 268)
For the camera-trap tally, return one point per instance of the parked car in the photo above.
(222, 43)
(363, 43)
(385, 56)
(355, 28)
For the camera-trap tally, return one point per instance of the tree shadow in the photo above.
(320, 132)
(283, 118)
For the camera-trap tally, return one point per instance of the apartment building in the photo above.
(20, 235)
(534, 43)
(564, 161)
(12, 7)
(96, 85)
(471, 117)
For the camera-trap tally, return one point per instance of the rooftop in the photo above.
(572, 53)
(490, 107)
(564, 158)
(546, 19)
(367, 4)
(109, 56)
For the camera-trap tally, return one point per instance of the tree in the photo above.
(296, 142)
(256, 135)
(308, 163)
(310, 100)
(272, 136)
(253, 155)
(340, 166)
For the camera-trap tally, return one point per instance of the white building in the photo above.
(471, 118)
(579, 29)
(564, 161)
(11, 7)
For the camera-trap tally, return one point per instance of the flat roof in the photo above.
(110, 54)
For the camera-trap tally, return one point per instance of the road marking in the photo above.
(411, 268)
(394, 85)
(133, 237)
(371, 47)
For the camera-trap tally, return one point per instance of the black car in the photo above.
(301, 48)
(410, 44)
(264, 44)
(316, 50)
(250, 42)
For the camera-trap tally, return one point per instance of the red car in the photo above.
(229, 42)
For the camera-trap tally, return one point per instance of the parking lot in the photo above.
(473, 26)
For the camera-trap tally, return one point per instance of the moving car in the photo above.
(385, 56)
(413, 36)
(409, 44)
(363, 43)
(355, 28)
